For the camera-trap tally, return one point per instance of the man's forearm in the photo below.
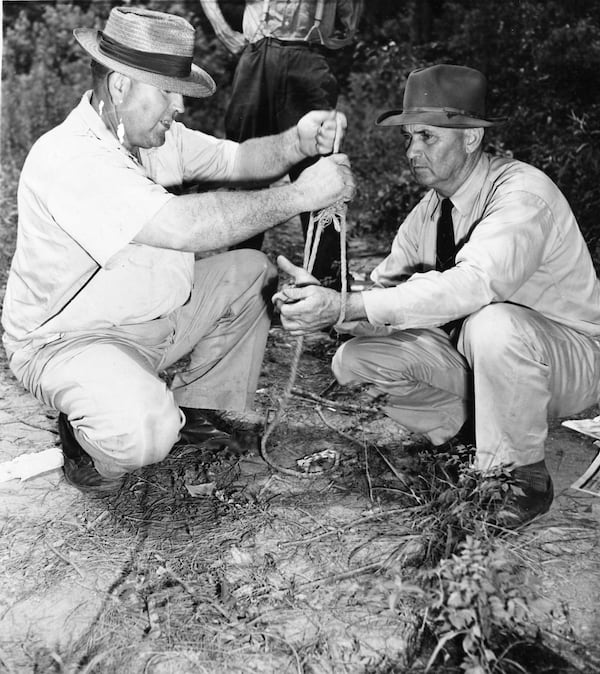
(318, 133)
(268, 157)
(202, 222)
(209, 220)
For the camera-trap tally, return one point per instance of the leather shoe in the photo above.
(531, 495)
(78, 466)
(199, 431)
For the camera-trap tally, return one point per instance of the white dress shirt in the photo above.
(522, 245)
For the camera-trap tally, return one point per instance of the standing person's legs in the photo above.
(309, 84)
(526, 368)
(274, 86)
(425, 380)
(225, 326)
(249, 113)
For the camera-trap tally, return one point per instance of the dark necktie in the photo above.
(446, 248)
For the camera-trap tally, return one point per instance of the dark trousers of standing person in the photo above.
(274, 85)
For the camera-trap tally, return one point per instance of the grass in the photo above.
(9, 176)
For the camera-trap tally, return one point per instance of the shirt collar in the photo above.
(464, 198)
(94, 123)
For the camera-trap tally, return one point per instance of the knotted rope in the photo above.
(332, 215)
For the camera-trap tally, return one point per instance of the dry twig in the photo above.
(326, 402)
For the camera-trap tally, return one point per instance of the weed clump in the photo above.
(478, 601)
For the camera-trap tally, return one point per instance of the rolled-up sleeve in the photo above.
(205, 158)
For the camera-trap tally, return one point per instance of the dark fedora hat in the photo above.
(152, 47)
(442, 95)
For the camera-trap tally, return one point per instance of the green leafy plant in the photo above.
(449, 500)
(478, 599)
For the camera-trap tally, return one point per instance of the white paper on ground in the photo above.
(589, 427)
(30, 465)
(589, 482)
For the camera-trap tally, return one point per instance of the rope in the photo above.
(335, 215)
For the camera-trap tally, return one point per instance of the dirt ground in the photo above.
(265, 572)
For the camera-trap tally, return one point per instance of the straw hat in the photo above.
(442, 95)
(152, 47)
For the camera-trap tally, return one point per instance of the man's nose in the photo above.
(412, 148)
(177, 103)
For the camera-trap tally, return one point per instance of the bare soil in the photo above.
(266, 572)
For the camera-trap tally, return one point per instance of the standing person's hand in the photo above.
(232, 39)
(320, 132)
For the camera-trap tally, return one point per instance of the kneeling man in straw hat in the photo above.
(104, 291)
(486, 312)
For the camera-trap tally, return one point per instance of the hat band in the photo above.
(160, 64)
(451, 112)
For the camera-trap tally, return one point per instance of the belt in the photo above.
(302, 44)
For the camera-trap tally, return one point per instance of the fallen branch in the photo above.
(65, 559)
(344, 575)
(349, 525)
(391, 466)
(326, 402)
(343, 434)
(576, 654)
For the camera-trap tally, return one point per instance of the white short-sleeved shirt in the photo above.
(82, 198)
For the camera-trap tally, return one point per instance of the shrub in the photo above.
(478, 599)
(45, 71)
(43, 76)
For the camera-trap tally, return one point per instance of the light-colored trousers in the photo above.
(512, 365)
(123, 414)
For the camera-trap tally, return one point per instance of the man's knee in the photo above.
(351, 362)
(385, 358)
(154, 434)
(341, 364)
(254, 273)
(490, 331)
(139, 434)
(254, 263)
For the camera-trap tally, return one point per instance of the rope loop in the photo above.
(336, 215)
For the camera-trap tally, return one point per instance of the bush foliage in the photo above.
(541, 57)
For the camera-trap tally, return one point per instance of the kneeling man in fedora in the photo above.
(104, 291)
(488, 304)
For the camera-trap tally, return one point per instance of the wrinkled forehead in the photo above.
(414, 129)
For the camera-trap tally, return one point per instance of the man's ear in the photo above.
(473, 139)
(118, 86)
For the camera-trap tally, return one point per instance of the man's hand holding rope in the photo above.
(326, 181)
(306, 306)
(321, 132)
